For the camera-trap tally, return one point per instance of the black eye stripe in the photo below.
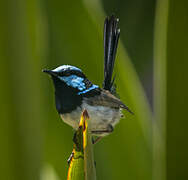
(72, 72)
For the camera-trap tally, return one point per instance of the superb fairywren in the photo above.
(74, 92)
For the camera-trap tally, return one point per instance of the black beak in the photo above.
(50, 72)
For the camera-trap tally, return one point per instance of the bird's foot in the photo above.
(109, 129)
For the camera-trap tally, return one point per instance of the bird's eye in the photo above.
(68, 73)
(61, 74)
(71, 72)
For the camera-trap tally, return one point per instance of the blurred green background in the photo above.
(151, 70)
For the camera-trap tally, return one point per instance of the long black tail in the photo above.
(111, 37)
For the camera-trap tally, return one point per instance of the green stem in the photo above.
(81, 165)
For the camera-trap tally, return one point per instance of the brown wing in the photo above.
(106, 99)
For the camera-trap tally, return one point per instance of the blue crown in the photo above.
(65, 68)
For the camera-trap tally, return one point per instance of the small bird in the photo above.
(74, 92)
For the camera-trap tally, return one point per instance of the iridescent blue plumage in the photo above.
(74, 81)
(89, 89)
(77, 80)
(71, 86)
(74, 92)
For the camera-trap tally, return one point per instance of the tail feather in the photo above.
(111, 37)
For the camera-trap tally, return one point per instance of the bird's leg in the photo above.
(96, 140)
(108, 130)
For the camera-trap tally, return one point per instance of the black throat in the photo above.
(66, 97)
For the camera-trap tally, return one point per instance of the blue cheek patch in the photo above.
(74, 81)
(77, 82)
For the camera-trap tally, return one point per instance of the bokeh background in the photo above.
(151, 71)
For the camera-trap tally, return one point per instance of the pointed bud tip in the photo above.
(85, 114)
